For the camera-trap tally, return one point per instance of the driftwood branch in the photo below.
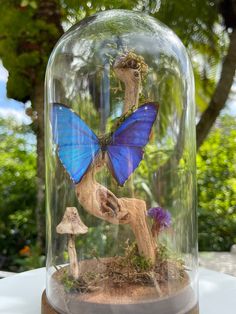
(97, 199)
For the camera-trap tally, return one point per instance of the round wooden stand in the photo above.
(48, 309)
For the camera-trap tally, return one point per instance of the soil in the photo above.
(103, 281)
(123, 283)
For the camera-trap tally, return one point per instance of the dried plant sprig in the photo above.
(161, 219)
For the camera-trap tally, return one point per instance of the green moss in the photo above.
(135, 260)
(74, 285)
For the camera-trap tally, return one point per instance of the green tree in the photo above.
(30, 28)
(17, 192)
(216, 163)
(207, 29)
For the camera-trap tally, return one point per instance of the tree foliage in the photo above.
(25, 44)
(216, 163)
(27, 37)
(199, 24)
(17, 193)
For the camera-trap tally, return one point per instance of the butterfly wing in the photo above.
(126, 148)
(77, 144)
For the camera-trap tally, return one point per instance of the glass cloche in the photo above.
(120, 169)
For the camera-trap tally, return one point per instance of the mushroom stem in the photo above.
(72, 225)
(74, 265)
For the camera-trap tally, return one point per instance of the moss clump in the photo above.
(130, 269)
(133, 61)
(135, 260)
(80, 285)
(136, 269)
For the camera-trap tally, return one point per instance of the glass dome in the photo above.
(120, 169)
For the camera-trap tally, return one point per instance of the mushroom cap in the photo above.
(71, 223)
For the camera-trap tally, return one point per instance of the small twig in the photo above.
(57, 268)
(157, 286)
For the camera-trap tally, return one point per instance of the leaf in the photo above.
(24, 3)
(33, 4)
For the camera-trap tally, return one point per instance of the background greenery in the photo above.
(216, 173)
(28, 32)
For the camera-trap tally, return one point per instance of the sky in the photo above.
(231, 104)
(10, 107)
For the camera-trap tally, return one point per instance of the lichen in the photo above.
(132, 61)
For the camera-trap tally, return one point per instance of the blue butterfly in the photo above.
(78, 146)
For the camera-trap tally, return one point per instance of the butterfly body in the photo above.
(105, 140)
(121, 149)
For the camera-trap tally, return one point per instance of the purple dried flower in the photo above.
(161, 217)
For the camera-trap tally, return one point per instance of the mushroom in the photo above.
(72, 225)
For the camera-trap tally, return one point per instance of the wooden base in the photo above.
(48, 309)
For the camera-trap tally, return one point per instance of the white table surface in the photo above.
(21, 293)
